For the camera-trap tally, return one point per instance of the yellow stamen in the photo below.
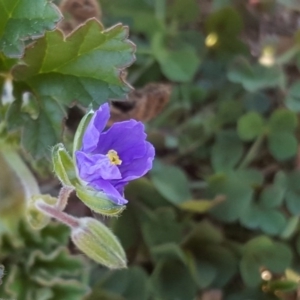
(114, 157)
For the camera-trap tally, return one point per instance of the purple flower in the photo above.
(108, 160)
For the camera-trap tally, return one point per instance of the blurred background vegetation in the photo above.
(218, 216)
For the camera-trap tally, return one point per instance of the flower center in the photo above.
(114, 157)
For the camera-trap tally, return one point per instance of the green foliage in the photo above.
(220, 209)
(221, 204)
(20, 22)
(57, 71)
(38, 265)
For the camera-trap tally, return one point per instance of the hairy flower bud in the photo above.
(99, 243)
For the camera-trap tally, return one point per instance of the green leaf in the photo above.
(226, 21)
(23, 20)
(292, 99)
(251, 177)
(255, 77)
(203, 272)
(262, 252)
(127, 228)
(224, 261)
(168, 251)
(293, 193)
(272, 222)
(98, 201)
(203, 233)
(227, 151)
(86, 67)
(144, 190)
(250, 126)
(283, 120)
(184, 12)
(64, 167)
(258, 101)
(161, 228)
(199, 206)
(281, 140)
(251, 217)
(6, 63)
(170, 60)
(272, 196)
(172, 280)
(238, 195)
(129, 284)
(42, 133)
(171, 182)
(50, 272)
(95, 240)
(282, 145)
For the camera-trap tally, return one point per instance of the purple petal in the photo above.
(95, 127)
(96, 166)
(127, 138)
(138, 167)
(111, 192)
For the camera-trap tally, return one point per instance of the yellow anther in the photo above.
(114, 157)
(211, 39)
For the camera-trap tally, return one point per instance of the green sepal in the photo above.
(95, 240)
(64, 167)
(80, 131)
(98, 201)
(36, 219)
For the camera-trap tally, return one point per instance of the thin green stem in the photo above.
(160, 10)
(252, 153)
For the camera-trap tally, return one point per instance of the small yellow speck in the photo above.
(211, 40)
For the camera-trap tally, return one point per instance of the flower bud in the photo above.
(64, 166)
(99, 243)
(81, 129)
(98, 201)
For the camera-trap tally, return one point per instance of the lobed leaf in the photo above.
(86, 67)
(23, 20)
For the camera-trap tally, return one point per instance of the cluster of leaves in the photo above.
(220, 209)
(39, 266)
(43, 72)
(33, 264)
(51, 73)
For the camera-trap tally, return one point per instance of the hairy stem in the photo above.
(53, 211)
(63, 197)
